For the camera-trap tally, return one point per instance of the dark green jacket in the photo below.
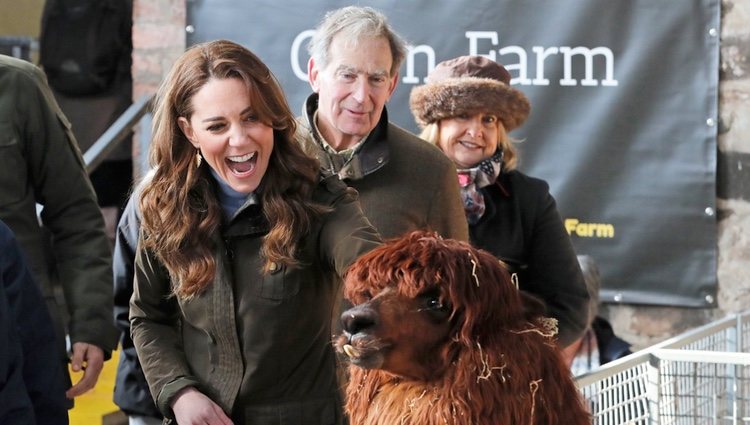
(40, 163)
(259, 346)
(404, 183)
(522, 227)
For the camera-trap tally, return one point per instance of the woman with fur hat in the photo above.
(467, 109)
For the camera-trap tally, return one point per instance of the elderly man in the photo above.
(404, 183)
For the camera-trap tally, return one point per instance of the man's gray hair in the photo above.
(355, 24)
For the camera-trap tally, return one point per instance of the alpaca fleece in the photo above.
(440, 335)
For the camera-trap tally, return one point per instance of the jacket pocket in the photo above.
(279, 285)
(13, 170)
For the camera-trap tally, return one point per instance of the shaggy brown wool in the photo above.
(443, 337)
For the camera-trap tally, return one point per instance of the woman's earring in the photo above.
(198, 158)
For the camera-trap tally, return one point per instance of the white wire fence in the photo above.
(701, 377)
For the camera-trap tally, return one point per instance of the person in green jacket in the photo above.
(404, 184)
(40, 163)
(242, 247)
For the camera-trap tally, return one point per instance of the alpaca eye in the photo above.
(366, 295)
(434, 304)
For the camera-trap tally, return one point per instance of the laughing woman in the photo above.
(241, 251)
(467, 109)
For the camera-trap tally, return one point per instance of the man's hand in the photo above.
(90, 359)
(191, 407)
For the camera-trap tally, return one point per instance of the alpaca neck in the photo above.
(411, 403)
(394, 401)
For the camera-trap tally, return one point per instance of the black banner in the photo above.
(624, 97)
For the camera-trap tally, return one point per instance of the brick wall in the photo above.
(733, 188)
(158, 39)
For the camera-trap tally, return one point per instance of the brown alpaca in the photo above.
(440, 335)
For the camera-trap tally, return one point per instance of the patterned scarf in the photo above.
(472, 179)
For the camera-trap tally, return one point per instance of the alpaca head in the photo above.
(419, 300)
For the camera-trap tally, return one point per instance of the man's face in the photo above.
(352, 89)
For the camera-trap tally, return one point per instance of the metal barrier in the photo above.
(137, 113)
(699, 377)
(19, 47)
(118, 131)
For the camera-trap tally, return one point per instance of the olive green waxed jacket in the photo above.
(404, 183)
(40, 163)
(258, 345)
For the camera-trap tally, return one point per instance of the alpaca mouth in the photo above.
(363, 351)
(350, 351)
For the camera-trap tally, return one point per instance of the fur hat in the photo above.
(469, 85)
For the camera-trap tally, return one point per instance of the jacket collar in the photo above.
(372, 156)
(248, 220)
(503, 183)
(504, 186)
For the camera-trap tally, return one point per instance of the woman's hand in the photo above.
(191, 407)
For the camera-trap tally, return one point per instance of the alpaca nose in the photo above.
(358, 319)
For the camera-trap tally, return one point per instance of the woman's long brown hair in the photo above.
(181, 215)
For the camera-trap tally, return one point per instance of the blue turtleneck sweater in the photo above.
(231, 200)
